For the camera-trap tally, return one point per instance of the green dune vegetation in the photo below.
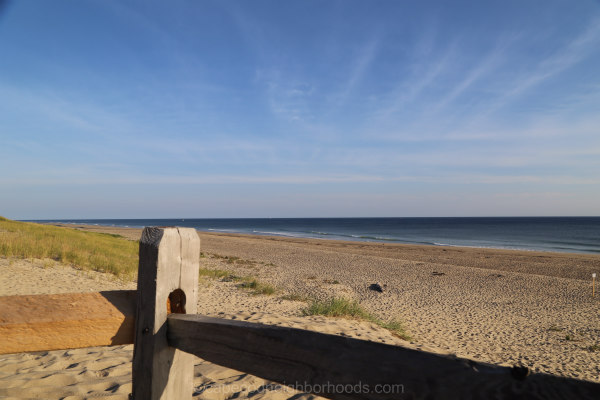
(340, 307)
(244, 282)
(86, 250)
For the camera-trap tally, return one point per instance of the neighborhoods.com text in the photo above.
(304, 387)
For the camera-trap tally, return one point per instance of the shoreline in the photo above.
(527, 243)
(575, 265)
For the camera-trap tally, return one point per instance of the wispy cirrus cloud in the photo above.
(483, 71)
(90, 178)
(362, 61)
(407, 91)
(287, 96)
(570, 54)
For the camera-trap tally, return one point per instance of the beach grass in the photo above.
(257, 287)
(216, 273)
(337, 307)
(86, 250)
(341, 307)
(244, 282)
(295, 297)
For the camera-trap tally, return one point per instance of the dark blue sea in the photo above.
(561, 234)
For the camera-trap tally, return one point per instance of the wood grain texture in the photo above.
(299, 358)
(66, 321)
(169, 260)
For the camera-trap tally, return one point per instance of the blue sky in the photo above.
(142, 109)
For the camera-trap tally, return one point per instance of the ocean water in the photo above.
(560, 234)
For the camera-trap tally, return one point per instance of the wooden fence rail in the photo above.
(168, 332)
(302, 358)
(66, 321)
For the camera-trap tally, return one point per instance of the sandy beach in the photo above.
(498, 306)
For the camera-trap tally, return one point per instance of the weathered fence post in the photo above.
(169, 260)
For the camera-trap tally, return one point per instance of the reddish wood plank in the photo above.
(66, 321)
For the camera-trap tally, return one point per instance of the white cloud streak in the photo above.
(562, 59)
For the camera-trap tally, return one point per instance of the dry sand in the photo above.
(106, 371)
(504, 307)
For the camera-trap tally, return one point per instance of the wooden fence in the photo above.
(160, 319)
